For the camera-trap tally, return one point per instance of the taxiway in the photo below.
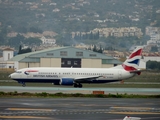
(19, 89)
(78, 108)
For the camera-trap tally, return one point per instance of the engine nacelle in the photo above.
(66, 81)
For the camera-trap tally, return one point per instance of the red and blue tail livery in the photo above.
(136, 52)
(132, 63)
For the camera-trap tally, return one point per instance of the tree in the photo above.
(100, 50)
(35, 30)
(2, 40)
(95, 49)
(154, 49)
(91, 36)
(154, 65)
(32, 41)
(3, 34)
(21, 29)
(15, 41)
(22, 51)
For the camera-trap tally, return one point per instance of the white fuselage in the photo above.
(83, 75)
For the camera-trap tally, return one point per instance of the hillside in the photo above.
(66, 16)
(77, 15)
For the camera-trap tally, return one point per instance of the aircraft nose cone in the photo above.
(10, 76)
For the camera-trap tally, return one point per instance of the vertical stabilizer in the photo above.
(132, 62)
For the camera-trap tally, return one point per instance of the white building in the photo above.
(7, 54)
(47, 41)
(154, 33)
(149, 42)
(155, 36)
(64, 57)
(151, 30)
(151, 58)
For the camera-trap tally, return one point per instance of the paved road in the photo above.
(78, 108)
(19, 89)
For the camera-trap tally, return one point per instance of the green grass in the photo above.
(153, 77)
(4, 73)
(63, 95)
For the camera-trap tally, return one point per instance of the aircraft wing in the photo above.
(86, 79)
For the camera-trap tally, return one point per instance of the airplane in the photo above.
(76, 76)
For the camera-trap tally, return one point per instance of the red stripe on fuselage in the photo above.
(31, 71)
(137, 53)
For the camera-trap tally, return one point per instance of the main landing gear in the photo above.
(78, 85)
(23, 83)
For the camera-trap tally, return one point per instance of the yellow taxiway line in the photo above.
(134, 113)
(137, 108)
(25, 117)
(49, 110)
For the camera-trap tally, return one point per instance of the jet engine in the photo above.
(66, 81)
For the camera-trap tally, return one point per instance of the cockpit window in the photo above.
(18, 71)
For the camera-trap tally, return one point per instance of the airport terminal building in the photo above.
(64, 57)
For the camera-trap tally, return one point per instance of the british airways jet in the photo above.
(76, 76)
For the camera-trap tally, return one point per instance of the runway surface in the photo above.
(78, 108)
(19, 89)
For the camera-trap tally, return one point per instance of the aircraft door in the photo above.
(20, 76)
(29, 75)
(119, 74)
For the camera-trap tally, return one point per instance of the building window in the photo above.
(8, 56)
(75, 62)
(79, 53)
(106, 61)
(63, 53)
(92, 55)
(63, 63)
(50, 54)
(69, 62)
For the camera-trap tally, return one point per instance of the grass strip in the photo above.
(64, 95)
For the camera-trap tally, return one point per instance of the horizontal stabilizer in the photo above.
(136, 71)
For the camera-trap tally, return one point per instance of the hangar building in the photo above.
(64, 57)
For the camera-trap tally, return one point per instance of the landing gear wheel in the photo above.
(24, 85)
(75, 85)
(80, 85)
